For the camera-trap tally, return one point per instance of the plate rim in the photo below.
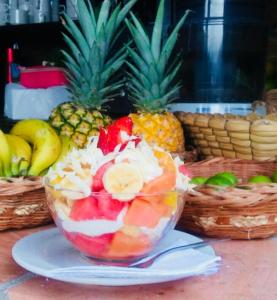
(93, 281)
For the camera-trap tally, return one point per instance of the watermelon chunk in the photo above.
(109, 207)
(97, 183)
(91, 246)
(85, 209)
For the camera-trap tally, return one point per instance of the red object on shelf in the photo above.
(42, 77)
(10, 61)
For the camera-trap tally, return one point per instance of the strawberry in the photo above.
(114, 137)
(124, 124)
(103, 141)
(97, 183)
(109, 207)
(136, 140)
(111, 137)
(85, 209)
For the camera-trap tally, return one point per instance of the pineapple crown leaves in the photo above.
(90, 59)
(151, 76)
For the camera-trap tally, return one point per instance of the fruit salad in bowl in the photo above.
(115, 199)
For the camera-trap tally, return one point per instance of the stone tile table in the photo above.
(249, 272)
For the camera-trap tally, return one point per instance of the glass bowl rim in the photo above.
(46, 183)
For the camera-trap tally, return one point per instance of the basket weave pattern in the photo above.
(247, 211)
(271, 101)
(22, 203)
(244, 137)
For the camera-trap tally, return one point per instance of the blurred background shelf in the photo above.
(238, 70)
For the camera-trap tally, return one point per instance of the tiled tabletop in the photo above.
(249, 272)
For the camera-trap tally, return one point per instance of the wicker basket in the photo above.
(271, 101)
(22, 203)
(250, 137)
(248, 211)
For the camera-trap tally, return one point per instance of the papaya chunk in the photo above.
(123, 245)
(156, 189)
(145, 214)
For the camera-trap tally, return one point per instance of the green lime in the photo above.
(259, 179)
(219, 180)
(228, 175)
(198, 180)
(274, 176)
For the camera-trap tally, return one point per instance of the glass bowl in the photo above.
(107, 229)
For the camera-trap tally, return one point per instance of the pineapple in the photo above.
(151, 83)
(91, 63)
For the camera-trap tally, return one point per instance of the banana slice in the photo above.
(123, 181)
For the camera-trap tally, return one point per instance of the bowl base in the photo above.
(124, 262)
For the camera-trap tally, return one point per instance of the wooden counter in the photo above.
(249, 272)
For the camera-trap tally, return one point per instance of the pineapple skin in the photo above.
(77, 122)
(161, 129)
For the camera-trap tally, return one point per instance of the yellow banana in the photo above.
(1, 171)
(45, 141)
(14, 162)
(67, 146)
(21, 156)
(5, 155)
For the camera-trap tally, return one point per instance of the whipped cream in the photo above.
(157, 231)
(94, 227)
(77, 169)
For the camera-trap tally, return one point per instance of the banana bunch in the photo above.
(30, 148)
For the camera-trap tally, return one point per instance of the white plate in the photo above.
(47, 251)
